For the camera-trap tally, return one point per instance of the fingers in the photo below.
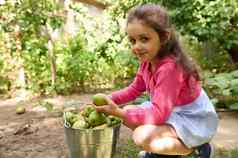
(110, 101)
(83, 107)
(101, 108)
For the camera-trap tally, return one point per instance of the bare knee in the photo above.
(159, 139)
(142, 135)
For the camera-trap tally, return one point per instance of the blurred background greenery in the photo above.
(51, 47)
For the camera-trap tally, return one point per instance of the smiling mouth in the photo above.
(141, 54)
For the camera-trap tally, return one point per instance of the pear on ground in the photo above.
(20, 110)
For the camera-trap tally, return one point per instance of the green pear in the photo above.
(96, 118)
(80, 124)
(112, 120)
(99, 99)
(70, 118)
(87, 110)
(20, 110)
(101, 126)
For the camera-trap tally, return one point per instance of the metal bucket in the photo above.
(92, 143)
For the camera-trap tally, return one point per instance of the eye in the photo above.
(144, 39)
(132, 41)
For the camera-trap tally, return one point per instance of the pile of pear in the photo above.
(89, 118)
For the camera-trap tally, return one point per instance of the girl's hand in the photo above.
(111, 108)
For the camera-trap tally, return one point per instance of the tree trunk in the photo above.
(69, 26)
(20, 66)
(52, 62)
(233, 52)
(50, 45)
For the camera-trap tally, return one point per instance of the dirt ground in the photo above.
(38, 133)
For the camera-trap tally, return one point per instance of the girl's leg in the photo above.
(160, 139)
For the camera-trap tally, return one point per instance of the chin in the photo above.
(143, 60)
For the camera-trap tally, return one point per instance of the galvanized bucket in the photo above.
(92, 143)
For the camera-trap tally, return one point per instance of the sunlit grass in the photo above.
(224, 153)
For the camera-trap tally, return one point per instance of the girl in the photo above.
(179, 116)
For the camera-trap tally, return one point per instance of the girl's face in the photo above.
(145, 41)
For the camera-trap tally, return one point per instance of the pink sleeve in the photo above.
(169, 81)
(135, 89)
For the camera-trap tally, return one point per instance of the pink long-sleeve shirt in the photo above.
(169, 86)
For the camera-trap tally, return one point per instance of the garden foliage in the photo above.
(98, 55)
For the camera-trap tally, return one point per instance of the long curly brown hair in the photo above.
(156, 17)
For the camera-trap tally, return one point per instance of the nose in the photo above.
(136, 48)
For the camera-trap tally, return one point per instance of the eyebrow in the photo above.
(140, 35)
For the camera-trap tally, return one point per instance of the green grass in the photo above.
(224, 153)
(127, 149)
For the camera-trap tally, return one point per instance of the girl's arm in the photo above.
(166, 90)
(169, 81)
(135, 89)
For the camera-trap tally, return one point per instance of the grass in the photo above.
(224, 153)
(127, 149)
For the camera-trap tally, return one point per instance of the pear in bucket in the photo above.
(99, 99)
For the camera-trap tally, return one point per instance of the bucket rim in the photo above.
(92, 129)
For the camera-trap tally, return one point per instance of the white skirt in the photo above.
(195, 123)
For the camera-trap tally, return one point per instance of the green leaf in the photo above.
(234, 106)
(226, 92)
(235, 73)
(214, 101)
(234, 83)
(234, 91)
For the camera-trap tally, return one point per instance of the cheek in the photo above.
(133, 49)
(156, 47)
